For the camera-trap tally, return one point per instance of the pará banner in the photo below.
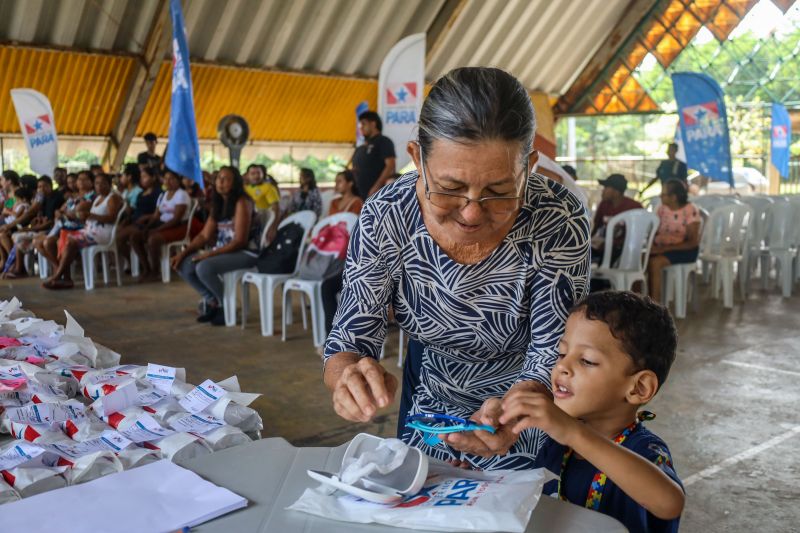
(183, 152)
(704, 125)
(781, 134)
(400, 92)
(38, 127)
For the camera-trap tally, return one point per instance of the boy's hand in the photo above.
(536, 410)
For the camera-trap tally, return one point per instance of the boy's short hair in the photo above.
(643, 327)
(150, 136)
(372, 116)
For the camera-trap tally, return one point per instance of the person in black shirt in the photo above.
(149, 158)
(374, 161)
(669, 169)
(133, 234)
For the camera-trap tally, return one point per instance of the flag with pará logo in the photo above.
(183, 151)
(400, 92)
(38, 127)
(780, 136)
(704, 125)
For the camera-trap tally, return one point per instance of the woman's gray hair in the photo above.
(473, 104)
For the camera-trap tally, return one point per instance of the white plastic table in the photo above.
(271, 474)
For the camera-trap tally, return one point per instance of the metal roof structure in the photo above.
(297, 68)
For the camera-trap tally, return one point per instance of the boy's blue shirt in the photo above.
(615, 502)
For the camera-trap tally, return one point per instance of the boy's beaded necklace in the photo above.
(595, 494)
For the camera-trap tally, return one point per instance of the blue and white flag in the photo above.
(781, 135)
(38, 126)
(183, 152)
(704, 125)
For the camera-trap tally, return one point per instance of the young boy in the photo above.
(616, 351)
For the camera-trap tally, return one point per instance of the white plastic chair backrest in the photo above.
(120, 214)
(306, 219)
(349, 219)
(708, 202)
(327, 198)
(193, 207)
(784, 219)
(761, 217)
(727, 230)
(640, 230)
(267, 217)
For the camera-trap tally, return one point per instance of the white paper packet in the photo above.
(180, 447)
(451, 500)
(134, 456)
(28, 481)
(225, 437)
(7, 492)
(93, 466)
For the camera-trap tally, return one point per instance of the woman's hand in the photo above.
(362, 388)
(200, 257)
(176, 260)
(483, 443)
(525, 409)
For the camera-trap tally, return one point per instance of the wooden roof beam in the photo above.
(158, 39)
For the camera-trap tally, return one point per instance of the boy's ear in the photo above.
(644, 385)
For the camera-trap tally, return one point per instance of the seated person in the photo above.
(129, 186)
(97, 230)
(348, 201)
(262, 192)
(38, 220)
(613, 203)
(615, 354)
(233, 231)
(9, 182)
(69, 219)
(132, 235)
(167, 224)
(678, 236)
(307, 197)
(22, 203)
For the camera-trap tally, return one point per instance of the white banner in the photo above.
(38, 127)
(400, 92)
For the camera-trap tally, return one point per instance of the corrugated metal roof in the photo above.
(85, 90)
(543, 42)
(278, 106)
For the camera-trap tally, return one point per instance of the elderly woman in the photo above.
(480, 262)
(678, 237)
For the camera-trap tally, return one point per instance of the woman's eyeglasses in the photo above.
(500, 205)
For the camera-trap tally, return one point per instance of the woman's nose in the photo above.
(472, 213)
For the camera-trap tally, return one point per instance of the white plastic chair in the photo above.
(759, 229)
(166, 271)
(231, 279)
(44, 266)
(676, 279)
(781, 244)
(312, 288)
(725, 243)
(327, 198)
(640, 229)
(267, 283)
(88, 254)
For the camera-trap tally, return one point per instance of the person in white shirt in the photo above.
(168, 223)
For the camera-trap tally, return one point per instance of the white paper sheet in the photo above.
(158, 497)
(202, 396)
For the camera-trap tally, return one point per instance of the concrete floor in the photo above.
(730, 404)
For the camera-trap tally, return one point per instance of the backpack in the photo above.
(280, 257)
(325, 256)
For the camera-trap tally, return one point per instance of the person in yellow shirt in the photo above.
(264, 194)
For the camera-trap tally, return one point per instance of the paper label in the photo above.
(20, 453)
(201, 424)
(45, 390)
(45, 413)
(145, 429)
(106, 378)
(160, 376)
(150, 396)
(109, 440)
(120, 399)
(11, 372)
(199, 398)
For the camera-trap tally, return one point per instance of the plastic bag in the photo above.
(451, 500)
